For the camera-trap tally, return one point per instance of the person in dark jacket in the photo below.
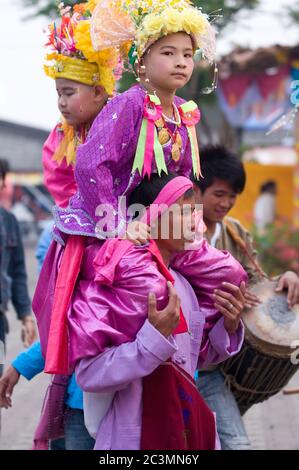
(13, 277)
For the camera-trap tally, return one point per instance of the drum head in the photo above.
(273, 322)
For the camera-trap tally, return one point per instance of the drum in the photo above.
(268, 356)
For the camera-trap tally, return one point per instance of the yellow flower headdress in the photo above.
(136, 24)
(72, 55)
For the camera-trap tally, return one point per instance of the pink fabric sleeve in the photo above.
(102, 316)
(58, 177)
(219, 345)
(206, 268)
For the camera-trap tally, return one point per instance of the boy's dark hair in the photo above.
(4, 168)
(217, 162)
(148, 190)
(268, 186)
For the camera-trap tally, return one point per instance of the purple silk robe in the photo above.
(104, 163)
(114, 344)
(207, 267)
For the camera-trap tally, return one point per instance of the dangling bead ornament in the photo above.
(213, 87)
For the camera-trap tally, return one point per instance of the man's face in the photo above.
(217, 200)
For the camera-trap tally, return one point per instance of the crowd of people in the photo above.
(140, 294)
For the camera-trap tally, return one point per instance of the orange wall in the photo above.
(258, 174)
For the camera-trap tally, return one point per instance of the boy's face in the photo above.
(217, 200)
(169, 62)
(78, 103)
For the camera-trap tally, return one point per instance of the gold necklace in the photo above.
(165, 135)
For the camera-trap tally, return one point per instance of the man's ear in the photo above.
(197, 191)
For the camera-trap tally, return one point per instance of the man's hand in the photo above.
(251, 300)
(230, 304)
(290, 281)
(28, 333)
(166, 320)
(7, 384)
(138, 233)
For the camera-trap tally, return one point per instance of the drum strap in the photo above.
(241, 243)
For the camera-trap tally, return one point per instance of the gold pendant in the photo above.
(163, 136)
(175, 152)
(179, 140)
(159, 123)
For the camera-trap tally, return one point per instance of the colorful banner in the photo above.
(255, 102)
(295, 70)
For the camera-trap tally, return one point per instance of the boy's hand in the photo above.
(138, 233)
(289, 281)
(166, 320)
(230, 304)
(7, 384)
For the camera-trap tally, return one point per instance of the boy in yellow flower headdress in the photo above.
(84, 80)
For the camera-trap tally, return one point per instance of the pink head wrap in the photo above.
(171, 192)
(114, 249)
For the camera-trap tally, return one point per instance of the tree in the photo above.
(294, 12)
(229, 8)
(223, 12)
(44, 7)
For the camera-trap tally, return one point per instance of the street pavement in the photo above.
(19, 422)
(271, 425)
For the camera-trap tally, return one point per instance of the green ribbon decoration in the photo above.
(159, 155)
(139, 155)
(188, 107)
(193, 154)
(132, 55)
